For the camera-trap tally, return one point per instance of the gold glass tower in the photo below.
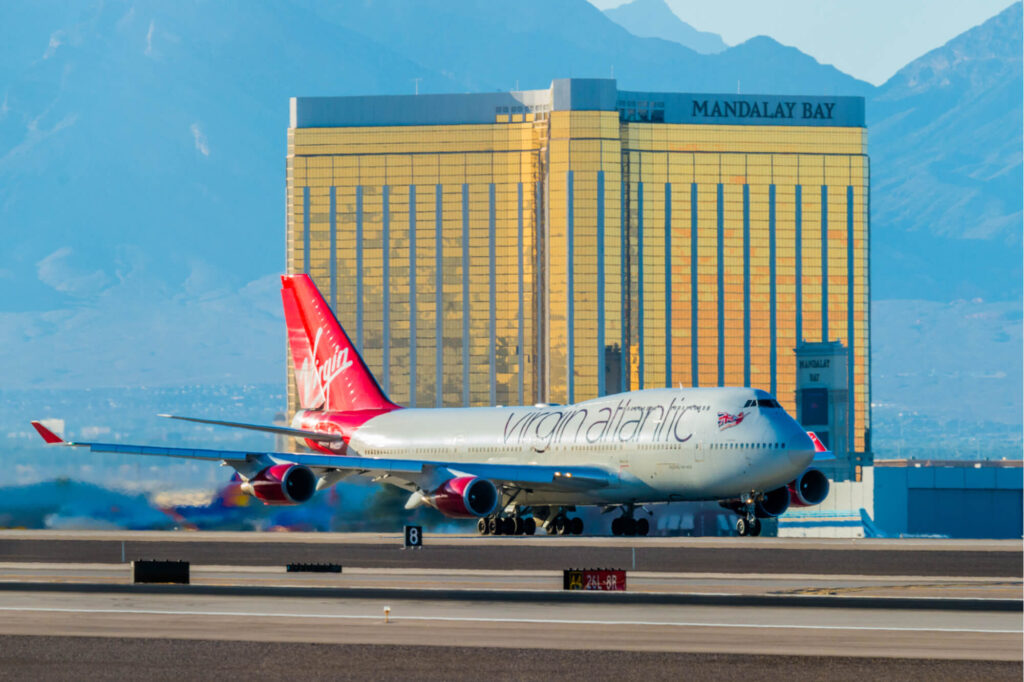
(560, 244)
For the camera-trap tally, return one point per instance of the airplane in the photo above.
(516, 468)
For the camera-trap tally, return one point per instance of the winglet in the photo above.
(49, 436)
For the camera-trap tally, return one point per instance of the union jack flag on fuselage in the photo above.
(726, 420)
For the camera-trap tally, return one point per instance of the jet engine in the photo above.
(774, 503)
(465, 497)
(808, 489)
(282, 484)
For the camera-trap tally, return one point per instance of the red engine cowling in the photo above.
(465, 497)
(773, 503)
(282, 484)
(808, 489)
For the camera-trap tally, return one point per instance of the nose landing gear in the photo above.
(748, 525)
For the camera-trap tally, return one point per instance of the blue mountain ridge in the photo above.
(655, 19)
(945, 145)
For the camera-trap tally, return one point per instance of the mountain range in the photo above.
(945, 145)
(142, 149)
(655, 19)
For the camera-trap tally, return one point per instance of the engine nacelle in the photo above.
(774, 503)
(282, 484)
(465, 497)
(808, 489)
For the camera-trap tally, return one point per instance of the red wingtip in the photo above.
(49, 436)
(818, 445)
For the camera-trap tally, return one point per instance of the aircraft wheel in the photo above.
(617, 526)
(508, 526)
(561, 525)
(643, 527)
(518, 526)
(550, 528)
(483, 526)
(628, 526)
(755, 527)
(576, 525)
(529, 526)
(742, 528)
(493, 525)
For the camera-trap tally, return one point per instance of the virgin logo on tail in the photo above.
(316, 380)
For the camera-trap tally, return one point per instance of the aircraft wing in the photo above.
(283, 430)
(425, 474)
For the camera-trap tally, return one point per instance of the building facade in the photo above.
(556, 245)
(952, 498)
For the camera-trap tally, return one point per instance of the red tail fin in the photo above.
(328, 370)
(818, 445)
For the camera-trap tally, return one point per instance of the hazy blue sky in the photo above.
(868, 39)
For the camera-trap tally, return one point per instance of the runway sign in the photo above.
(413, 537)
(151, 571)
(605, 580)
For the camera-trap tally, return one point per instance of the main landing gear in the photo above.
(628, 525)
(515, 524)
(557, 522)
(564, 525)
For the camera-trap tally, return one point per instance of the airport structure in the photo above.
(949, 498)
(561, 244)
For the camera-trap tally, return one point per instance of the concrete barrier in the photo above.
(314, 568)
(154, 571)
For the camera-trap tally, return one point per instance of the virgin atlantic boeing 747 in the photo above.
(516, 467)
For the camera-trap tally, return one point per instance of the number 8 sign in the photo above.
(413, 536)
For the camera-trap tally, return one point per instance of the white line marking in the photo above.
(469, 619)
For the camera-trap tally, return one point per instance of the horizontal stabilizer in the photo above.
(283, 430)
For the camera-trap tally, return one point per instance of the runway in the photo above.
(918, 592)
(365, 550)
(110, 658)
(533, 624)
(922, 609)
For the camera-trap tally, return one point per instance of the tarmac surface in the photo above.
(116, 658)
(666, 585)
(466, 607)
(364, 550)
(534, 623)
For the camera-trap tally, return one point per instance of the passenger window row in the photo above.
(733, 446)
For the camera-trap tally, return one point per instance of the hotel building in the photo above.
(560, 244)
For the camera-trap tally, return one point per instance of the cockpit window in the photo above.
(767, 402)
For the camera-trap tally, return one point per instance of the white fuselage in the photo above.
(659, 444)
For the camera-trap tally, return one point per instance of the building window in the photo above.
(814, 407)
